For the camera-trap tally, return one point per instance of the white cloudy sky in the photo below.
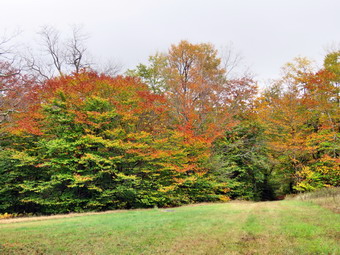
(267, 32)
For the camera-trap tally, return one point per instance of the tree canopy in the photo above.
(173, 131)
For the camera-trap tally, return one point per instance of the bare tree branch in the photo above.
(230, 58)
(110, 68)
(76, 49)
(233, 62)
(51, 40)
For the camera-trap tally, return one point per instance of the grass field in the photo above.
(327, 197)
(281, 227)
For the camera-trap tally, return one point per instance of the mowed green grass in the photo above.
(283, 227)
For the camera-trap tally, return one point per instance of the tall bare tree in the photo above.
(59, 56)
(64, 55)
(233, 62)
(76, 50)
(7, 75)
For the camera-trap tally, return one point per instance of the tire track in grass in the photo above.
(216, 238)
(260, 231)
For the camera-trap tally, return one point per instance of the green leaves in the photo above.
(103, 144)
(242, 157)
(93, 142)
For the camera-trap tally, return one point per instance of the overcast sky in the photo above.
(269, 33)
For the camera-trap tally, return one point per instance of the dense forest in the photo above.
(179, 129)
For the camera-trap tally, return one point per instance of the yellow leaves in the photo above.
(139, 136)
(23, 157)
(224, 198)
(178, 182)
(324, 140)
(81, 179)
(307, 179)
(129, 117)
(186, 167)
(182, 180)
(304, 186)
(96, 188)
(115, 133)
(328, 159)
(89, 140)
(126, 177)
(329, 166)
(100, 162)
(225, 190)
(6, 216)
(160, 154)
(299, 66)
(305, 173)
(117, 158)
(167, 188)
(87, 156)
(325, 170)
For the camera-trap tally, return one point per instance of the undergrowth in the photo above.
(325, 197)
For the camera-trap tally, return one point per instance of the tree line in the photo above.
(179, 129)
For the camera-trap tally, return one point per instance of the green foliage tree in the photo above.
(241, 159)
(94, 143)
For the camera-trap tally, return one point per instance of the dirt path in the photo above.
(60, 216)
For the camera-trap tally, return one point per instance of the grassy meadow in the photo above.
(327, 197)
(280, 227)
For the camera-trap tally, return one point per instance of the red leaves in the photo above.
(128, 97)
(26, 125)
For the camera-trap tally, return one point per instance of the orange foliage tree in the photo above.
(300, 113)
(95, 142)
(202, 101)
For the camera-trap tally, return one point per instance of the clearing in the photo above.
(280, 227)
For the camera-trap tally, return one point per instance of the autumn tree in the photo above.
(193, 79)
(92, 142)
(204, 100)
(322, 98)
(152, 74)
(300, 113)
